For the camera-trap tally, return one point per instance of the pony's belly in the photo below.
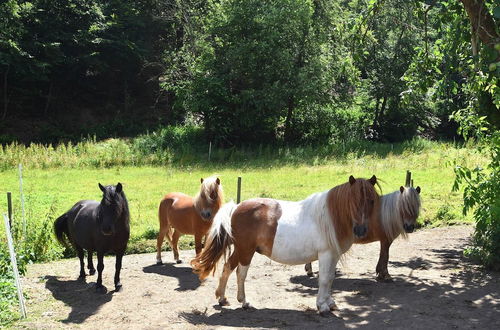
(295, 243)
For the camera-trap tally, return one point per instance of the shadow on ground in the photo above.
(184, 274)
(262, 318)
(79, 295)
(461, 296)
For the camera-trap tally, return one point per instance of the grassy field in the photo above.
(50, 192)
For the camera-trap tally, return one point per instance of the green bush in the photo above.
(482, 190)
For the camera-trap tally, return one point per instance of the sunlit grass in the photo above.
(291, 174)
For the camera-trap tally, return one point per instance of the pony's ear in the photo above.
(119, 188)
(217, 181)
(373, 180)
(402, 189)
(201, 180)
(102, 187)
(352, 180)
(418, 189)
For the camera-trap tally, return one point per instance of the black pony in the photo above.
(99, 227)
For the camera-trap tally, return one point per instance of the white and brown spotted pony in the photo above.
(397, 217)
(321, 227)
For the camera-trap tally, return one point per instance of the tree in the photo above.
(259, 64)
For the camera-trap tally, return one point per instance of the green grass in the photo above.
(50, 192)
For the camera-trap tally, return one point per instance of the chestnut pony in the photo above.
(323, 227)
(181, 214)
(398, 215)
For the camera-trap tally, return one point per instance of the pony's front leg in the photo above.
(382, 272)
(118, 267)
(241, 275)
(100, 267)
(327, 264)
(90, 264)
(198, 246)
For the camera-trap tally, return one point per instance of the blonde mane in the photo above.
(208, 186)
(334, 210)
(390, 211)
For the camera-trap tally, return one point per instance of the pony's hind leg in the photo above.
(159, 242)
(90, 264)
(80, 253)
(309, 270)
(118, 267)
(241, 275)
(175, 240)
(229, 266)
(100, 267)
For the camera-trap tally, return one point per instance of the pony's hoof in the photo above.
(324, 309)
(247, 306)
(385, 278)
(159, 263)
(118, 287)
(101, 289)
(223, 302)
(179, 261)
(91, 272)
(325, 313)
(81, 277)
(311, 274)
(333, 306)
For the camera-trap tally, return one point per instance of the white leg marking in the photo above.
(327, 264)
(241, 274)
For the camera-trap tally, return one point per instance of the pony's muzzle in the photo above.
(107, 231)
(205, 214)
(360, 231)
(409, 228)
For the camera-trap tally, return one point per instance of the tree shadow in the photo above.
(263, 318)
(185, 276)
(79, 295)
(463, 296)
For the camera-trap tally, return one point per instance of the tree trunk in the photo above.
(5, 97)
(49, 98)
(375, 120)
(382, 108)
(288, 121)
(482, 23)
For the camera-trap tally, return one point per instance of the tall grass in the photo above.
(185, 146)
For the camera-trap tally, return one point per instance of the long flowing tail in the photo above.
(218, 242)
(61, 229)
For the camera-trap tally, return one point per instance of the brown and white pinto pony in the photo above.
(181, 214)
(398, 215)
(321, 227)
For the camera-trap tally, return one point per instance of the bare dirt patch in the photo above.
(434, 288)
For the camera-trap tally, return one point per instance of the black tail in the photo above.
(61, 228)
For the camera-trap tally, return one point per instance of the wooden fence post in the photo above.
(238, 192)
(9, 207)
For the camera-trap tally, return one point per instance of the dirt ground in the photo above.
(434, 288)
